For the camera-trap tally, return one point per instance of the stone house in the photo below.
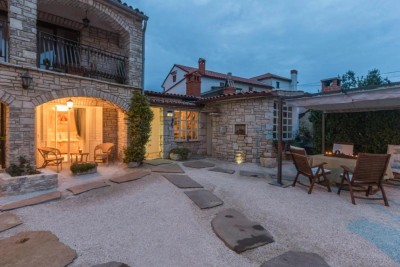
(53, 51)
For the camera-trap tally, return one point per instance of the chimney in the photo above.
(202, 66)
(193, 84)
(293, 77)
(229, 87)
(330, 85)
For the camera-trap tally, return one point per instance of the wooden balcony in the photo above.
(63, 55)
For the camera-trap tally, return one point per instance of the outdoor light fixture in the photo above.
(70, 104)
(85, 21)
(170, 113)
(26, 80)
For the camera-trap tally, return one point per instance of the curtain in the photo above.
(78, 113)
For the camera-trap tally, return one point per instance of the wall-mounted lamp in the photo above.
(26, 80)
(170, 114)
(85, 21)
(70, 104)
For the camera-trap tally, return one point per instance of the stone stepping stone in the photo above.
(31, 201)
(129, 177)
(8, 220)
(112, 264)
(34, 249)
(156, 162)
(298, 259)
(198, 164)
(253, 174)
(182, 181)
(171, 168)
(218, 169)
(79, 189)
(238, 232)
(204, 198)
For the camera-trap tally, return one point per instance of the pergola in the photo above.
(377, 98)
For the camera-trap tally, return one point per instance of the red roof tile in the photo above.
(217, 75)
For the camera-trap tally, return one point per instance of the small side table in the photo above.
(79, 157)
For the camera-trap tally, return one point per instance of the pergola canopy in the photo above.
(386, 97)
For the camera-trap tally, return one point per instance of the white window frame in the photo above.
(287, 122)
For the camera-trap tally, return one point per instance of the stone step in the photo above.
(204, 199)
(129, 177)
(182, 181)
(79, 189)
(9, 220)
(31, 201)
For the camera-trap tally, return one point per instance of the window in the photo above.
(186, 125)
(287, 122)
(3, 41)
(250, 89)
(173, 76)
(277, 84)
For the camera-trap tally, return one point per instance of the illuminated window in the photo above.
(287, 122)
(186, 125)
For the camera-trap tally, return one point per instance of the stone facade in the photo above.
(124, 38)
(239, 131)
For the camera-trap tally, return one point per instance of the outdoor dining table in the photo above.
(334, 163)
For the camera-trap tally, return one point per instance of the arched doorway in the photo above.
(78, 124)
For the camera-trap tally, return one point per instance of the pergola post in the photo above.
(323, 132)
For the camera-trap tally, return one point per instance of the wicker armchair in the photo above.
(51, 157)
(303, 167)
(103, 152)
(369, 171)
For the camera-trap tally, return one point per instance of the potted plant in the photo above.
(179, 153)
(23, 168)
(140, 116)
(81, 168)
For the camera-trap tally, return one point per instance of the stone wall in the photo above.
(47, 86)
(248, 141)
(110, 128)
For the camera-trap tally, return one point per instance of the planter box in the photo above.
(92, 170)
(18, 185)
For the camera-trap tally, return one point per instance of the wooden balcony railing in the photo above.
(63, 55)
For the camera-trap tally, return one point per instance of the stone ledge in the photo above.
(18, 185)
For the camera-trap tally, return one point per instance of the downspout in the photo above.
(144, 26)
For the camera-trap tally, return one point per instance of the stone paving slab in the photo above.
(112, 264)
(298, 259)
(171, 168)
(35, 249)
(31, 201)
(198, 164)
(129, 177)
(182, 181)
(156, 162)
(253, 174)
(81, 188)
(218, 169)
(238, 232)
(204, 198)
(9, 220)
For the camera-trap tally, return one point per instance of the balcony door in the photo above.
(3, 40)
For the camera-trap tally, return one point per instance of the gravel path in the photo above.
(150, 222)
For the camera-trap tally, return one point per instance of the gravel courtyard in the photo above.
(151, 222)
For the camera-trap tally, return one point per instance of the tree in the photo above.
(350, 81)
(140, 116)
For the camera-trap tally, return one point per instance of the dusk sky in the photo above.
(321, 38)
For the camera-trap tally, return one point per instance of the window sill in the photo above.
(184, 141)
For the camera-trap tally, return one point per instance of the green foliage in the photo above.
(79, 167)
(370, 132)
(140, 116)
(350, 81)
(183, 152)
(23, 168)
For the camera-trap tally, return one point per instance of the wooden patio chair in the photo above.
(369, 171)
(314, 173)
(51, 157)
(394, 151)
(103, 152)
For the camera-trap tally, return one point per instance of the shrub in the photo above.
(23, 168)
(183, 152)
(79, 167)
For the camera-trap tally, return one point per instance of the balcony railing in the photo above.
(63, 55)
